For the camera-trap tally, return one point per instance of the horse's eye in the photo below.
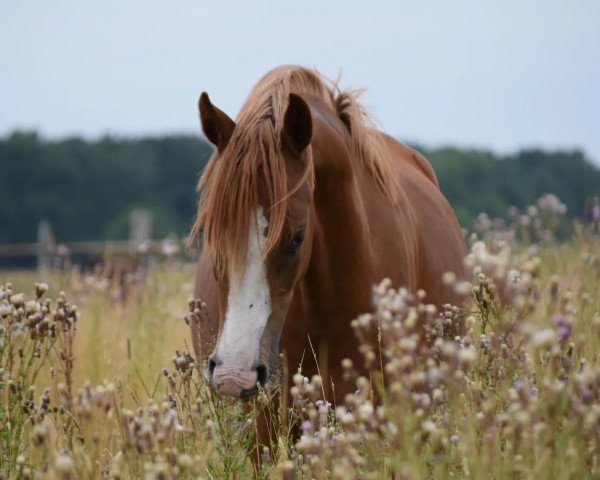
(296, 241)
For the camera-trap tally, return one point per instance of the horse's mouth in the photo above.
(264, 375)
(248, 393)
(236, 384)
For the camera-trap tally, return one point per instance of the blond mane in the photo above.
(228, 185)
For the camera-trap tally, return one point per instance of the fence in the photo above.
(47, 250)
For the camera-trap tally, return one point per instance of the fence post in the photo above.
(140, 226)
(45, 245)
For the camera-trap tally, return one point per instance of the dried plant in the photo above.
(506, 385)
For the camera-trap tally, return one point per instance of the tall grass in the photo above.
(93, 385)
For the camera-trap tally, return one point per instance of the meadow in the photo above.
(99, 382)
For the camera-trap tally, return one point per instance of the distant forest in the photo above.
(88, 188)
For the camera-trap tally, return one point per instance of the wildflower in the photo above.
(266, 455)
(532, 211)
(347, 419)
(169, 247)
(543, 338)
(462, 288)
(365, 411)
(428, 426)
(40, 434)
(454, 438)
(17, 300)
(287, 470)
(306, 426)
(524, 220)
(533, 391)
(210, 428)
(513, 276)
(587, 395)
(64, 463)
(518, 385)
(298, 379)
(467, 355)
(564, 332)
(552, 204)
(40, 289)
(449, 278)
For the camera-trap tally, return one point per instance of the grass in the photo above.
(93, 386)
(129, 341)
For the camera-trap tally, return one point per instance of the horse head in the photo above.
(257, 217)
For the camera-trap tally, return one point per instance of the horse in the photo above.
(303, 207)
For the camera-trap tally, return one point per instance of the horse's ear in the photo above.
(216, 124)
(297, 125)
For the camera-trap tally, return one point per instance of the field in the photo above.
(98, 384)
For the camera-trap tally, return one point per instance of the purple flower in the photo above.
(533, 391)
(518, 385)
(320, 403)
(454, 438)
(587, 395)
(558, 319)
(306, 425)
(564, 332)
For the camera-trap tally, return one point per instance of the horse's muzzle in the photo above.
(236, 383)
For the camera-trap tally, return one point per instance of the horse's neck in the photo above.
(337, 176)
(342, 232)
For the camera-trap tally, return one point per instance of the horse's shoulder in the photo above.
(413, 158)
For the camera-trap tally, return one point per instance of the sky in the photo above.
(503, 75)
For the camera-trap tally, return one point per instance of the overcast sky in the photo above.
(503, 75)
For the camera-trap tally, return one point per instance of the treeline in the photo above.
(88, 188)
(476, 181)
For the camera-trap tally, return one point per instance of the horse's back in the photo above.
(439, 242)
(407, 156)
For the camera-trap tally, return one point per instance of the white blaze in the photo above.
(248, 305)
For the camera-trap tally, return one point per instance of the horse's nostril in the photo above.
(262, 374)
(213, 362)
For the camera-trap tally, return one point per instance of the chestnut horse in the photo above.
(303, 208)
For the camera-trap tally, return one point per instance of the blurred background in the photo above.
(99, 131)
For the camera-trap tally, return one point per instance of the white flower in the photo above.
(64, 463)
(513, 276)
(429, 426)
(543, 338)
(17, 300)
(467, 355)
